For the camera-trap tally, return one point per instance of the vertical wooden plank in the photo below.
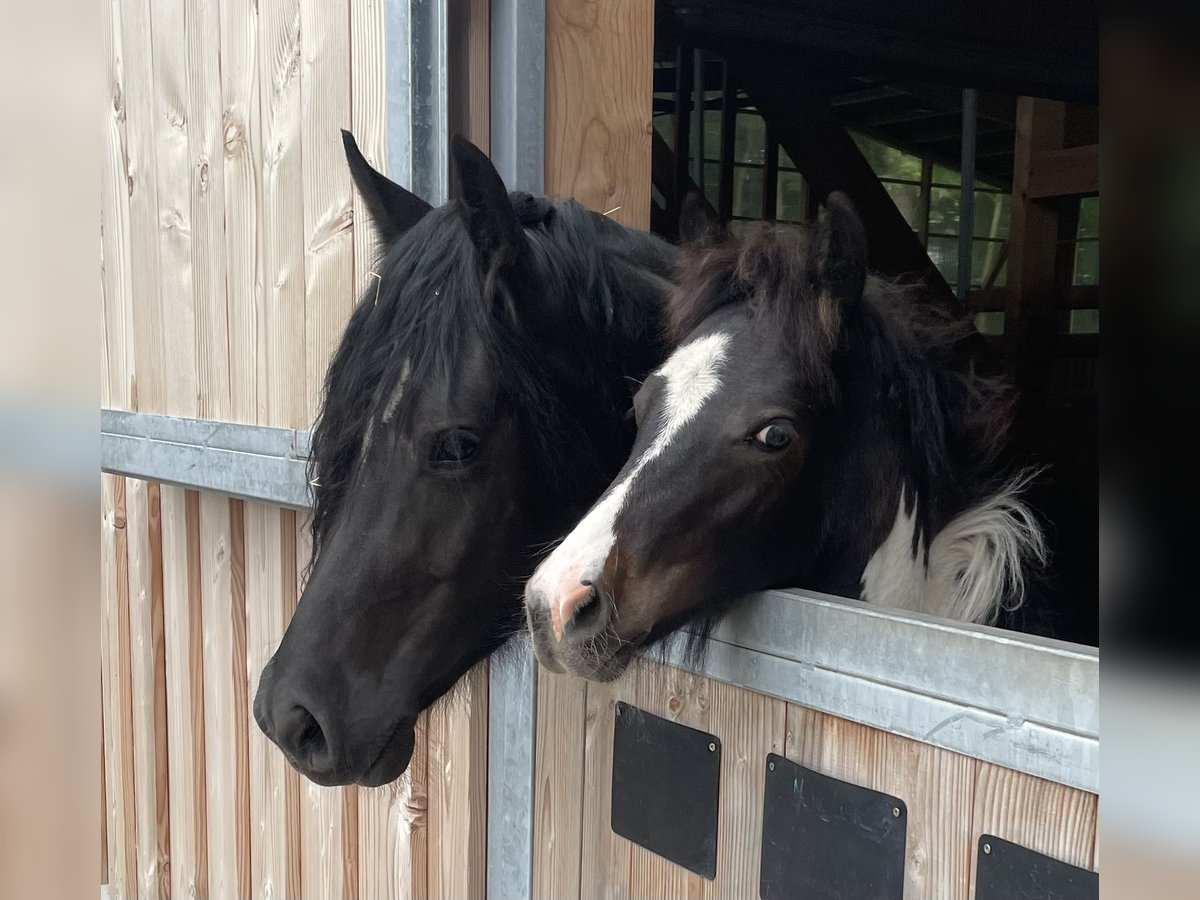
(936, 785)
(324, 853)
(329, 250)
(750, 726)
(1033, 226)
(147, 391)
(116, 265)
(206, 179)
(599, 71)
(393, 830)
(604, 858)
(368, 115)
(468, 31)
(118, 695)
(558, 785)
(242, 165)
(291, 525)
(148, 682)
(169, 130)
(1046, 817)
(103, 804)
(222, 566)
(184, 629)
(280, 350)
(685, 698)
(458, 789)
(271, 593)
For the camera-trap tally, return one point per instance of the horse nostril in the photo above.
(306, 739)
(590, 616)
(310, 742)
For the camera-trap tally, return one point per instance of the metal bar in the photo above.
(923, 201)
(770, 197)
(518, 140)
(966, 197)
(253, 462)
(1026, 703)
(418, 113)
(518, 61)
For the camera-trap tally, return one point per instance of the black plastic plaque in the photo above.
(1008, 871)
(825, 839)
(665, 788)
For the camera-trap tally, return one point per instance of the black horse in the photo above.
(812, 427)
(475, 408)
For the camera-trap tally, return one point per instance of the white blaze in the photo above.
(693, 374)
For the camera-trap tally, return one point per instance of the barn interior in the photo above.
(968, 137)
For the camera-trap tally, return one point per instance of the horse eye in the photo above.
(457, 447)
(775, 437)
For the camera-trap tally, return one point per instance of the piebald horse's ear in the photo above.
(487, 210)
(698, 222)
(393, 209)
(838, 252)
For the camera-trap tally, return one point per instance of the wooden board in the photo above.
(206, 178)
(599, 67)
(750, 726)
(604, 856)
(116, 262)
(457, 782)
(328, 216)
(274, 785)
(222, 573)
(558, 785)
(242, 163)
(280, 376)
(118, 700)
(146, 366)
(183, 619)
(394, 830)
(169, 130)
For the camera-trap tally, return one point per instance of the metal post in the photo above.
(417, 109)
(966, 199)
(518, 56)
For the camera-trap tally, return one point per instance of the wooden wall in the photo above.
(951, 799)
(233, 250)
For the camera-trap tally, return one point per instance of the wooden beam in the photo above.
(829, 160)
(1033, 228)
(1071, 172)
(662, 175)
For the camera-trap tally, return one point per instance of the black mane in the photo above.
(429, 293)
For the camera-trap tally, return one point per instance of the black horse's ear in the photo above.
(697, 219)
(393, 209)
(487, 210)
(838, 252)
